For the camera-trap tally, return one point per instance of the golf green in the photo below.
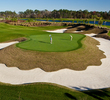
(60, 42)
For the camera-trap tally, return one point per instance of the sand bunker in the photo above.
(58, 31)
(3, 45)
(94, 77)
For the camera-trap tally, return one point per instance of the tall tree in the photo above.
(100, 21)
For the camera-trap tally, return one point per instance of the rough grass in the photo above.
(43, 91)
(79, 59)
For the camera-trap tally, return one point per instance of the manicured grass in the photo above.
(109, 33)
(47, 91)
(9, 32)
(61, 42)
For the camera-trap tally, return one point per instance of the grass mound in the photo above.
(43, 91)
(61, 42)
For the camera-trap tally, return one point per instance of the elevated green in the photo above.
(60, 42)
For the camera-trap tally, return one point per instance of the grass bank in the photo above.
(43, 91)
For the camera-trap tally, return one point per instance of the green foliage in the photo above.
(100, 22)
(30, 20)
(47, 19)
(14, 19)
(53, 20)
(6, 19)
(61, 20)
(85, 21)
(88, 21)
(62, 13)
(72, 21)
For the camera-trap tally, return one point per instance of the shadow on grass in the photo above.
(70, 96)
(100, 94)
(64, 39)
(44, 42)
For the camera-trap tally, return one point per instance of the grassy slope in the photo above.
(43, 91)
(9, 32)
(60, 41)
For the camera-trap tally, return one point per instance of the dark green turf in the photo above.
(47, 91)
(60, 42)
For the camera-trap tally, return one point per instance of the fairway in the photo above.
(60, 42)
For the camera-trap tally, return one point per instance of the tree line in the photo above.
(62, 13)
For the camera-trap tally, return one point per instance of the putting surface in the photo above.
(60, 42)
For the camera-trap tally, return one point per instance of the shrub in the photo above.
(14, 20)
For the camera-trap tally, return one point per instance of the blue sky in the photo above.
(22, 5)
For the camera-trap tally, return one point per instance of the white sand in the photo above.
(94, 77)
(58, 31)
(3, 45)
(77, 31)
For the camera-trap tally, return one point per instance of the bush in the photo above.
(14, 20)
